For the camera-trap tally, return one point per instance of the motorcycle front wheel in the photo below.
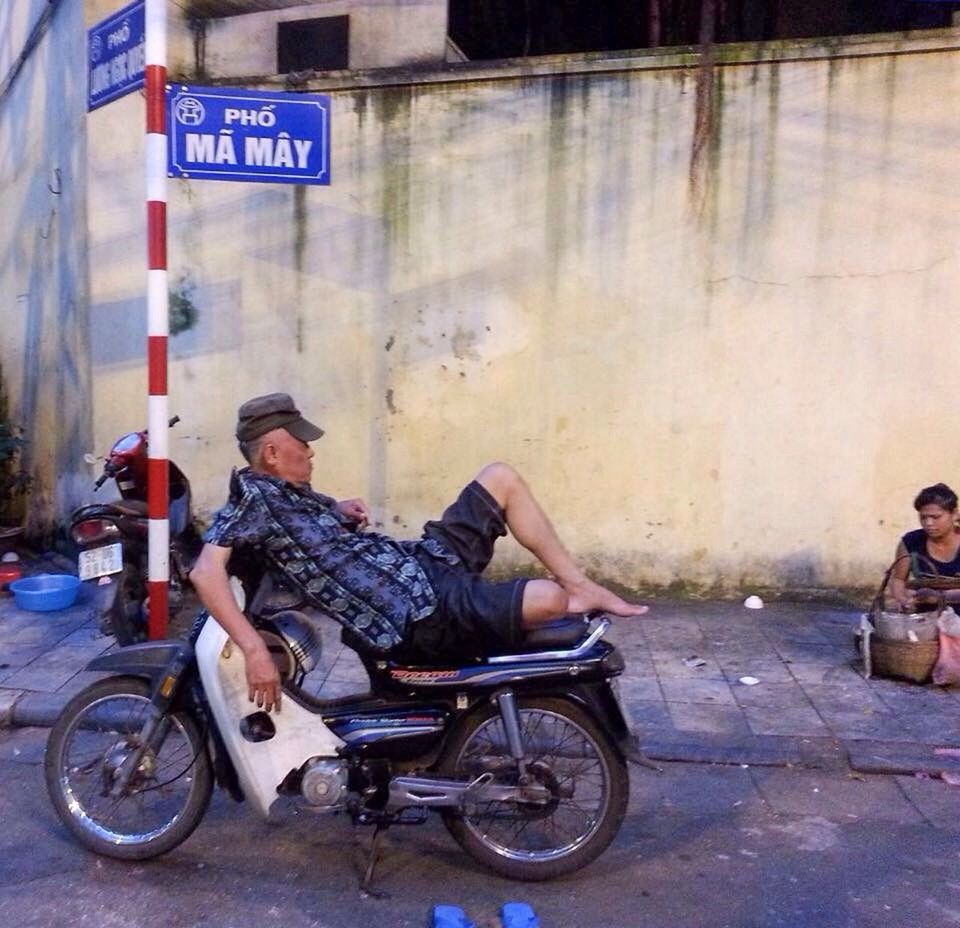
(168, 793)
(585, 775)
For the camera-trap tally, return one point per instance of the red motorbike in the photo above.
(113, 540)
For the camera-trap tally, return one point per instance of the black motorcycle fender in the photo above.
(598, 701)
(149, 660)
(103, 594)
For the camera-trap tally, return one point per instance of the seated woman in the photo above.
(933, 550)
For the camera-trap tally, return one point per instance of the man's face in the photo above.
(287, 457)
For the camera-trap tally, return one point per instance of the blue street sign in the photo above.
(115, 52)
(248, 135)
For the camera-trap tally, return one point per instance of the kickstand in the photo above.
(633, 754)
(366, 884)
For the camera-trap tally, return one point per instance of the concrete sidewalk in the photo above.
(811, 707)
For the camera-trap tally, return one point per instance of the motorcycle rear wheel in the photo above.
(125, 620)
(167, 795)
(585, 774)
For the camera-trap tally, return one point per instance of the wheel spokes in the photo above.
(563, 757)
(95, 749)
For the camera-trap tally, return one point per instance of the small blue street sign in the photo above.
(248, 135)
(115, 52)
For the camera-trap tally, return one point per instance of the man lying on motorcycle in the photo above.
(411, 599)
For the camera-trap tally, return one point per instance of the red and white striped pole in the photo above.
(158, 539)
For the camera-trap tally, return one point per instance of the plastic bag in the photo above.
(947, 668)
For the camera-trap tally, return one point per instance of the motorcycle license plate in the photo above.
(99, 562)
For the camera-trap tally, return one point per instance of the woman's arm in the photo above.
(902, 595)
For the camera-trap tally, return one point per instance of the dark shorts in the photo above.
(474, 617)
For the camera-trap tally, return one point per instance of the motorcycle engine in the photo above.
(324, 782)
(293, 642)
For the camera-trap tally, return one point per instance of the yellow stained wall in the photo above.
(706, 310)
(44, 299)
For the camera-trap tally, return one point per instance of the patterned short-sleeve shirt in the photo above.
(367, 581)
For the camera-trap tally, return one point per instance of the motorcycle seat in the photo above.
(136, 508)
(557, 635)
(560, 634)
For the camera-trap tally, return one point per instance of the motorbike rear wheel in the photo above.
(167, 795)
(125, 620)
(570, 755)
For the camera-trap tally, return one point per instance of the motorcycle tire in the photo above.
(167, 795)
(587, 777)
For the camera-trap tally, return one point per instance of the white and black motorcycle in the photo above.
(524, 754)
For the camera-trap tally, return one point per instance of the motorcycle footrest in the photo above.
(413, 815)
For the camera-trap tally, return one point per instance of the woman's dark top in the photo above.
(916, 544)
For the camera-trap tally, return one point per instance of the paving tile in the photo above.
(81, 681)
(731, 640)
(640, 688)
(828, 674)
(842, 635)
(88, 636)
(665, 636)
(936, 801)
(633, 650)
(22, 747)
(797, 630)
(932, 729)
(844, 697)
(697, 789)
(690, 644)
(763, 651)
(767, 671)
(802, 792)
(13, 658)
(719, 720)
(649, 715)
(808, 653)
(675, 668)
(687, 645)
(861, 721)
(909, 698)
(865, 726)
(639, 669)
(890, 757)
(51, 670)
(710, 692)
(790, 721)
(8, 699)
(770, 695)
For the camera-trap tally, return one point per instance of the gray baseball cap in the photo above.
(262, 414)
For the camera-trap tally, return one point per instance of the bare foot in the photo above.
(590, 596)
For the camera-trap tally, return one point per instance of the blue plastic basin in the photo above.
(45, 592)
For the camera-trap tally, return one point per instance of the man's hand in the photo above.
(263, 680)
(209, 577)
(355, 510)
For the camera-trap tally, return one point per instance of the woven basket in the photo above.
(904, 660)
(899, 626)
(934, 582)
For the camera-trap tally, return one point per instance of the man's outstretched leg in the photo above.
(530, 526)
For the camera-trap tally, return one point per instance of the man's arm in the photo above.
(209, 578)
